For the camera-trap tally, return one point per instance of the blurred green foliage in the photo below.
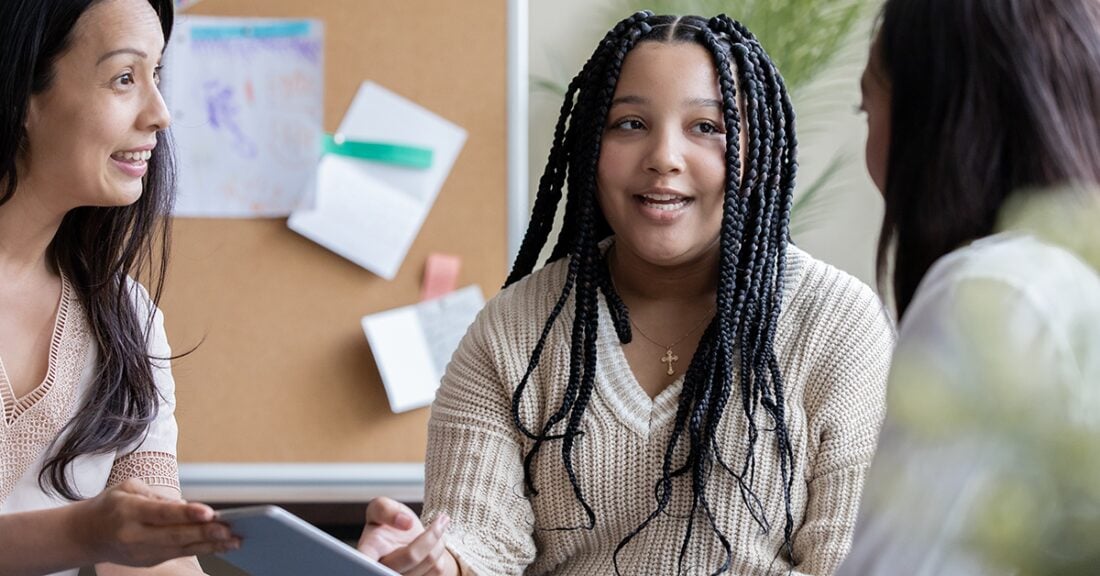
(803, 37)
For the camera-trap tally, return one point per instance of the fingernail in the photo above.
(404, 522)
(202, 513)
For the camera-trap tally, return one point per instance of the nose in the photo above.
(666, 154)
(155, 116)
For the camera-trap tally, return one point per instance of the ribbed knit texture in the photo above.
(833, 343)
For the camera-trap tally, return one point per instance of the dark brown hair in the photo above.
(95, 248)
(988, 97)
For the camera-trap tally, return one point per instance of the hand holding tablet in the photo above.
(394, 533)
(275, 542)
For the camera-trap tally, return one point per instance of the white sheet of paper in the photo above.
(359, 217)
(246, 97)
(413, 344)
(370, 212)
(378, 114)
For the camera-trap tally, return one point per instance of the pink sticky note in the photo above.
(440, 275)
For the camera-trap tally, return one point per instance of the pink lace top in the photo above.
(31, 423)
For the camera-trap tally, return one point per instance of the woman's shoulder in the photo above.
(820, 290)
(516, 315)
(138, 293)
(1014, 258)
(145, 308)
(537, 291)
(1012, 270)
(837, 339)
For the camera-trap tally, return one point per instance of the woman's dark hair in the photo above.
(753, 245)
(987, 97)
(95, 248)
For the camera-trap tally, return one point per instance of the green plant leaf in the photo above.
(811, 202)
(802, 36)
(543, 85)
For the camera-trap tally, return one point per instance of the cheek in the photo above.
(610, 163)
(878, 149)
(613, 173)
(715, 184)
(714, 171)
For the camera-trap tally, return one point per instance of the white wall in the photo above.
(563, 34)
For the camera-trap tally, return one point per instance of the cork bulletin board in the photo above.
(282, 371)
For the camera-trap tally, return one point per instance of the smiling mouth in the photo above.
(133, 157)
(663, 202)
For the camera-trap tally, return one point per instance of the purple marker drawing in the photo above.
(222, 113)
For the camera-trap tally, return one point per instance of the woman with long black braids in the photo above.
(678, 390)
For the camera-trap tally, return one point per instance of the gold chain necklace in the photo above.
(669, 357)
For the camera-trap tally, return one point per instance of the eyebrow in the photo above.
(629, 100)
(692, 102)
(121, 51)
(705, 102)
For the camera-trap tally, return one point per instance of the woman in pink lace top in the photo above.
(87, 432)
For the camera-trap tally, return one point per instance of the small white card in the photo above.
(413, 344)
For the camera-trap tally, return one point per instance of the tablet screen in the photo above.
(275, 542)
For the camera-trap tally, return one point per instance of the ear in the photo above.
(31, 120)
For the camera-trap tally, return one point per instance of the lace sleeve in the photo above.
(153, 468)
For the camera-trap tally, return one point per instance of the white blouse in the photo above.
(998, 357)
(31, 423)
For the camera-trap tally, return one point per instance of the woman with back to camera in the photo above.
(88, 439)
(984, 137)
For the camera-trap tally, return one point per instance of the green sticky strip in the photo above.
(396, 154)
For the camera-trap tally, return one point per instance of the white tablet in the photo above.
(275, 542)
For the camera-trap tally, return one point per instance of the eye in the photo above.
(156, 74)
(125, 79)
(707, 127)
(628, 124)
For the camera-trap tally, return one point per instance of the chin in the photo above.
(666, 255)
(122, 196)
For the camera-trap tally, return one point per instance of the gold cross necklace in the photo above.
(669, 357)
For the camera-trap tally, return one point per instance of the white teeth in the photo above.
(665, 202)
(141, 156)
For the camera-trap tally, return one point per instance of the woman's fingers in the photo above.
(374, 543)
(182, 536)
(150, 507)
(434, 564)
(209, 547)
(389, 512)
(411, 558)
(390, 526)
(133, 524)
(171, 513)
